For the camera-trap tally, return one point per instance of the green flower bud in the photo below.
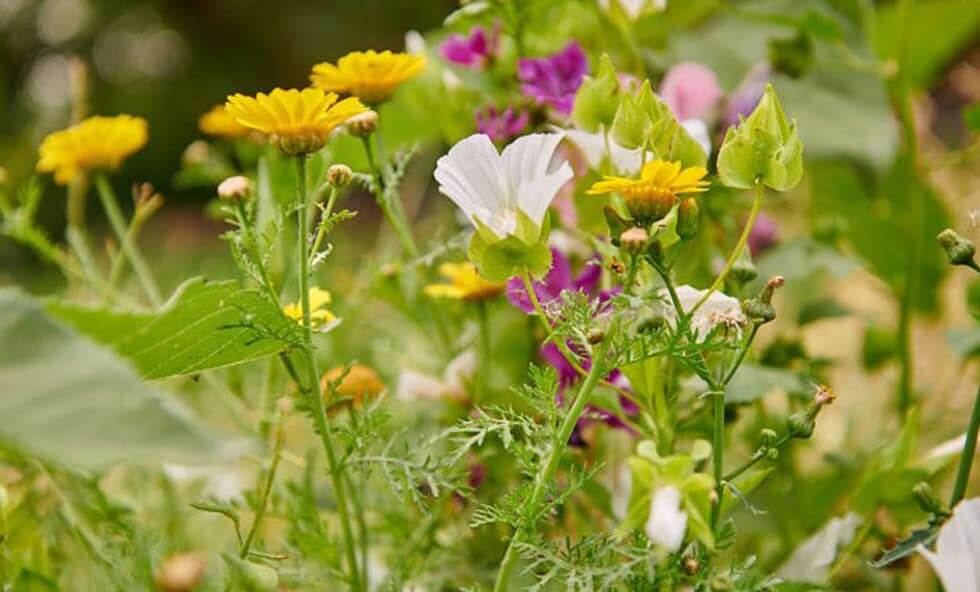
(744, 269)
(763, 149)
(768, 438)
(928, 500)
(772, 454)
(339, 175)
(959, 250)
(801, 425)
(760, 309)
(597, 98)
(688, 214)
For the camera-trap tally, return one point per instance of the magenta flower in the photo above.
(470, 51)
(554, 80)
(690, 90)
(501, 126)
(747, 95)
(763, 235)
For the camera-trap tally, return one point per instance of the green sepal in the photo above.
(501, 258)
(644, 120)
(597, 98)
(765, 148)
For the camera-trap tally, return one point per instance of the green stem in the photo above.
(393, 212)
(321, 231)
(718, 453)
(741, 354)
(755, 459)
(116, 220)
(313, 376)
(484, 338)
(742, 240)
(270, 478)
(966, 459)
(547, 472)
(253, 250)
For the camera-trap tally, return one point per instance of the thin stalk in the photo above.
(118, 223)
(313, 376)
(755, 459)
(742, 240)
(321, 231)
(270, 478)
(547, 472)
(741, 354)
(966, 459)
(391, 211)
(484, 337)
(253, 251)
(362, 532)
(718, 453)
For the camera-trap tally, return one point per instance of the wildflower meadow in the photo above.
(627, 295)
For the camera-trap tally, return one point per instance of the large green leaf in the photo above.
(68, 400)
(205, 325)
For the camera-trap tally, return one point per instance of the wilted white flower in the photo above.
(491, 188)
(811, 561)
(414, 386)
(957, 559)
(719, 310)
(667, 522)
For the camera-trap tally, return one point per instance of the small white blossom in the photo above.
(667, 522)
(491, 188)
(719, 310)
(957, 559)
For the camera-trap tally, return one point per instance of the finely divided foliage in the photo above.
(572, 350)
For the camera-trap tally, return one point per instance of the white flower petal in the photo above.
(471, 176)
(811, 561)
(698, 130)
(533, 182)
(593, 147)
(957, 556)
(718, 309)
(667, 523)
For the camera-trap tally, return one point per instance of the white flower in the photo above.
(719, 310)
(221, 482)
(667, 523)
(811, 561)
(491, 188)
(634, 8)
(957, 556)
(415, 386)
(594, 149)
(698, 130)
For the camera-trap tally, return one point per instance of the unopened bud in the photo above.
(691, 565)
(772, 454)
(634, 240)
(596, 336)
(800, 425)
(197, 152)
(180, 573)
(959, 250)
(928, 500)
(744, 269)
(767, 438)
(363, 124)
(339, 175)
(760, 309)
(235, 189)
(688, 218)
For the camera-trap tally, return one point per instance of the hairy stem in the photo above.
(547, 472)
(313, 377)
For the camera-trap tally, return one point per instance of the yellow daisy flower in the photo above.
(464, 284)
(218, 122)
(95, 143)
(370, 75)
(298, 121)
(319, 315)
(653, 195)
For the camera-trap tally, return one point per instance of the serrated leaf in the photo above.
(204, 325)
(907, 546)
(69, 401)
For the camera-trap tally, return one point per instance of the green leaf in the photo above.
(597, 98)
(965, 341)
(753, 382)
(907, 546)
(71, 402)
(204, 325)
(745, 483)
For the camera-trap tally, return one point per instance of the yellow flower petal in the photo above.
(218, 122)
(655, 192)
(369, 75)
(465, 283)
(95, 143)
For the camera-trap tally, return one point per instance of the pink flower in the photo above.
(470, 51)
(501, 126)
(555, 79)
(763, 235)
(690, 90)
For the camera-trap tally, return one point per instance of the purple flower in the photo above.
(690, 90)
(501, 126)
(747, 95)
(763, 235)
(470, 51)
(555, 79)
